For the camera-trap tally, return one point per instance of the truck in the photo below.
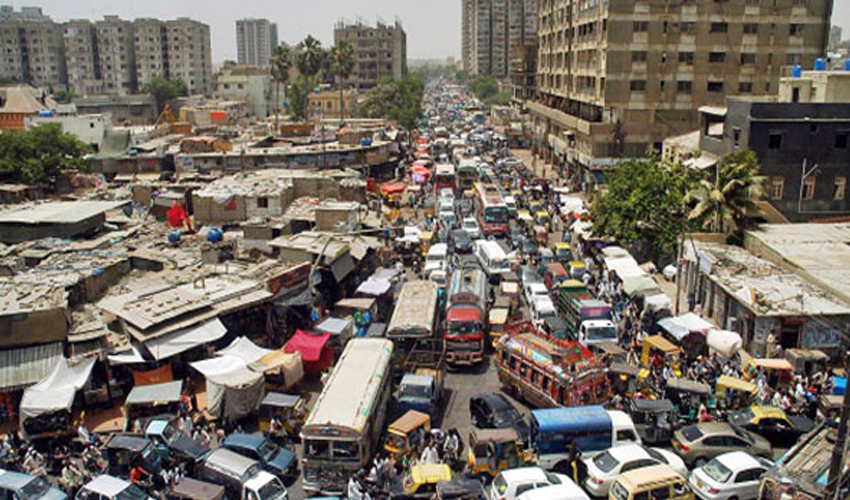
(588, 320)
(421, 386)
(466, 314)
(415, 313)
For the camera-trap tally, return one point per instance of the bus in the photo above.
(465, 317)
(444, 177)
(467, 173)
(490, 209)
(344, 429)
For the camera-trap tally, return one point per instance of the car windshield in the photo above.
(743, 417)
(605, 462)
(506, 416)
(717, 471)
(602, 333)
(692, 433)
(655, 455)
(500, 484)
(170, 434)
(496, 215)
(463, 328)
(415, 391)
(272, 490)
(746, 436)
(33, 489)
(132, 492)
(552, 478)
(267, 450)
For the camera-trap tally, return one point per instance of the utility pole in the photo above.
(835, 468)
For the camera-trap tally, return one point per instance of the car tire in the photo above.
(699, 462)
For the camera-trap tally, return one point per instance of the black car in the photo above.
(494, 411)
(775, 425)
(529, 247)
(461, 241)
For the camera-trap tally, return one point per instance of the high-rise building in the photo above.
(116, 48)
(492, 29)
(466, 33)
(82, 57)
(379, 52)
(189, 55)
(151, 46)
(256, 41)
(32, 48)
(616, 78)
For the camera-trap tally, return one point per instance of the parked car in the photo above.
(730, 475)
(511, 483)
(773, 423)
(272, 458)
(606, 467)
(470, 225)
(111, 488)
(494, 411)
(565, 491)
(19, 486)
(534, 291)
(461, 241)
(699, 443)
(529, 274)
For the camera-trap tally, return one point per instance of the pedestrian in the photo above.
(573, 456)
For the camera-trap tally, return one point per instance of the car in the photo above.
(607, 466)
(466, 207)
(734, 475)
(20, 486)
(529, 248)
(699, 443)
(533, 291)
(511, 483)
(447, 194)
(494, 411)
(273, 458)
(773, 423)
(564, 491)
(461, 241)
(516, 235)
(529, 274)
(669, 272)
(470, 225)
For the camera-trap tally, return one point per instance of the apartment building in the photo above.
(494, 28)
(256, 41)
(189, 54)
(116, 48)
(31, 48)
(151, 47)
(82, 57)
(250, 84)
(616, 77)
(466, 33)
(379, 52)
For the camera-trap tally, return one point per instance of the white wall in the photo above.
(88, 128)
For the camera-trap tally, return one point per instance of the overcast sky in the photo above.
(433, 26)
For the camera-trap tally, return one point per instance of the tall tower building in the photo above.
(494, 28)
(83, 57)
(151, 46)
(379, 52)
(116, 48)
(189, 54)
(256, 41)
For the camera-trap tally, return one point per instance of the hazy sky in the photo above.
(433, 26)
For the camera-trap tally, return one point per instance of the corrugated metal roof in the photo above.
(20, 368)
(58, 212)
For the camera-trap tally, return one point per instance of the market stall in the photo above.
(316, 352)
(46, 407)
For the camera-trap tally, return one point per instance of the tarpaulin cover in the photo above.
(57, 390)
(182, 340)
(393, 187)
(625, 267)
(133, 356)
(383, 273)
(245, 350)
(637, 284)
(316, 352)
(680, 326)
(287, 363)
(658, 302)
(156, 376)
(374, 287)
(725, 342)
(233, 390)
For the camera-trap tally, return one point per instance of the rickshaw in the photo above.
(658, 345)
(123, 451)
(622, 377)
(807, 361)
(649, 423)
(744, 391)
(518, 196)
(534, 206)
(687, 396)
(421, 481)
(542, 218)
(400, 440)
(541, 235)
(576, 269)
(563, 252)
(426, 239)
(546, 256)
(524, 217)
(288, 409)
(494, 450)
(778, 371)
(497, 320)
(510, 291)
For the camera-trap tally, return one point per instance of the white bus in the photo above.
(344, 429)
(494, 261)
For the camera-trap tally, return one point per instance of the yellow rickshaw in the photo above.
(778, 371)
(288, 409)
(422, 480)
(563, 252)
(494, 450)
(426, 239)
(497, 320)
(399, 433)
(659, 345)
(518, 196)
(541, 218)
(524, 217)
(534, 206)
(746, 391)
(576, 269)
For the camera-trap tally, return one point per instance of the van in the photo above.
(592, 428)
(242, 477)
(494, 261)
(437, 258)
(542, 308)
(554, 275)
(658, 481)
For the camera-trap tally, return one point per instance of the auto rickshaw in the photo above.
(744, 391)
(524, 217)
(534, 206)
(426, 239)
(123, 451)
(807, 361)
(429, 207)
(778, 371)
(509, 290)
(687, 396)
(400, 439)
(541, 218)
(421, 481)
(576, 269)
(658, 345)
(288, 409)
(518, 196)
(563, 252)
(497, 320)
(653, 419)
(622, 377)
(541, 235)
(546, 256)
(494, 450)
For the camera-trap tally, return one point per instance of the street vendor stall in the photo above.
(233, 390)
(316, 352)
(45, 409)
(145, 401)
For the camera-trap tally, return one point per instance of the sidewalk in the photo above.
(543, 169)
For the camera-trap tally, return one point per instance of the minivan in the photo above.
(273, 458)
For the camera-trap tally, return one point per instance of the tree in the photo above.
(485, 87)
(38, 154)
(645, 202)
(64, 96)
(310, 56)
(299, 97)
(342, 65)
(280, 64)
(396, 100)
(724, 203)
(164, 90)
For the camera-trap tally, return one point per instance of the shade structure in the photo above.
(316, 352)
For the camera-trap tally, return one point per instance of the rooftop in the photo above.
(58, 212)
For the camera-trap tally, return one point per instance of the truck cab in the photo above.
(420, 393)
(594, 331)
(242, 477)
(172, 443)
(437, 258)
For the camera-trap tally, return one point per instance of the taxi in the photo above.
(773, 423)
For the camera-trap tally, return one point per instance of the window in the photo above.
(748, 58)
(686, 57)
(795, 30)
(662, 493)
(684, 87)
(639, 56)
(687, 28)
(751, 29)
(715, 86)
(840, 188)
(716, 57)
(626, 435)
(736, 136)
(719, 28)
(842, 139)
(774, 140)
(792, 59)
(777, 188)
(641, 26)
(262, 202)
(637, 85)
(809, 188)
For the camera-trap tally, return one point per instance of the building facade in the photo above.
(616, 78)
(32, 48)
(151, 47)
(256, 41)
(379, 52)
(250, 84)
(523, 72)
(83, 57)
(116, 48)
(189, 54)
(494, 28)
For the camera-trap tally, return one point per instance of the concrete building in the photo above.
(190, 54)
(256, 41)
(90, 129)
(83, 57)
(8, 13)
(494, 29)
(616, 78)
(132, 109)
(466, 33)
(250, 84)
(116, 48)
(379, 52)
(151, 48)
(32, 48)
(19, 102)
(523, 72)
(329, 103)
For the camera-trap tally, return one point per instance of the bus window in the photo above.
(514, 362)
(643, 495)
(318, 449)
(346, 450)
(523, 370)
(535, 377)
(546, 382)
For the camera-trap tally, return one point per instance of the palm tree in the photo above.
(280, 64)
(342, 63)
(725, 204)
(310, 56)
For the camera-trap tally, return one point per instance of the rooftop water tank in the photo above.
(215, 235)
(820, 64)
(797, 71)
(847, 65)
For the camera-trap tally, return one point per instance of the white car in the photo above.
(470, 225)
(607, 466)
(564, 491)
(511, 483)
(736, 474)
(437, 258)
(533, 291)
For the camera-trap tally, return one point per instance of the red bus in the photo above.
(445, 177)
(490, 209)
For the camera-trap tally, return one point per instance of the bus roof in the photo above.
(353, 387)
(489, 194)
(445, 169)
(415, 310)
(575, 419)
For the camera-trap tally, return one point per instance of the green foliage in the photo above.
(310, 56)
(342, 65)
(397, 100)
(461, 76)
(64, 96)
(299, 96)
(164, 90)
(280, 64)
(37, 154)
(724, 202)
(645, 201)
(500, 99)
(485, 87)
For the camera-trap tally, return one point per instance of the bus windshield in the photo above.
(496, 215)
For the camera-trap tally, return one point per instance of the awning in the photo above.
(287, 363)
(637, 284)
(625, 267)
(310, 346)
(57, 390)
(334, 326)
(245, 350)
(133, 356)
(680, 326)
(167, 392)
(182, 340)
(702, 162)
(725, 342)
(228, 371)
(374, 287)
(658, 302)
(25, 366)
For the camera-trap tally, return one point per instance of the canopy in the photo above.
(233, 390)
(383, 273)
(133, 356)
(57, 391)
(245, 350)
(725, 342)
(634, 285)
(316, 352)
(374, 287)
(658, 302)
(680, 326)
(182, 340)
(625, 267)
(288, 363)
(27, 365)
(393, 187)
(167, 392)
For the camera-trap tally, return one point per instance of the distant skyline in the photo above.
(432, 26)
